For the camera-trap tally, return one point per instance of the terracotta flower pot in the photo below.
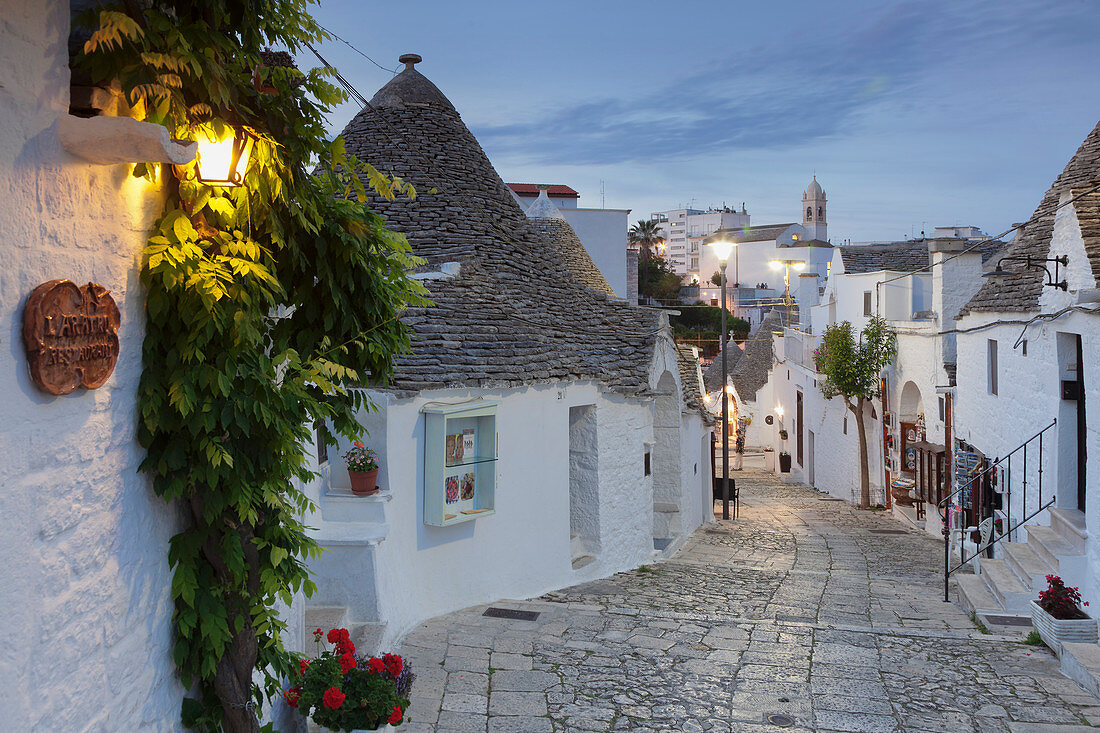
(1056, 631)
(364, 483)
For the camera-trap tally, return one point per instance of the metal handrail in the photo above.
(941, 507)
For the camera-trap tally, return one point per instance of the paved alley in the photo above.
(805, 610)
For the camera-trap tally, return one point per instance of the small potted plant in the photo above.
(782, 434)
(340, 691)
(363, 469)
(1059, 618)
(784, 462)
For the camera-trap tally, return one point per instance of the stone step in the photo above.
(583, 561)
(1030, 569)
(342, 505)
(1004, 585)
(325, 618)
(367, 636)
(1069, 524)
(1081, 663)
(1048, 545)
(974, 595)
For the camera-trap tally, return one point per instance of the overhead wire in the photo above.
(353, 48)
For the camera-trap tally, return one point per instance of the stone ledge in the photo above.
(114, 140)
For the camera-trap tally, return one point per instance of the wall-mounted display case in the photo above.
(460, 462)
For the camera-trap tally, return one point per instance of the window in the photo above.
(992, 367)
(943, 410)
(695, 263)
(866, 302)
(845, 425)
(646, 465)
(819, 214)
(810, 213)
(1023, 345)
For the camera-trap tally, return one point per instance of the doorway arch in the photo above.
(667, 522)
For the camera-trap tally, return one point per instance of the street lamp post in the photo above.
(722, 248)
(786, 266)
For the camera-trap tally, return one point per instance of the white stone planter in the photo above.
(1056, 631)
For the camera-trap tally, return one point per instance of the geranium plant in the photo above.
(361, 459)
(343, 691)
(1061, 602)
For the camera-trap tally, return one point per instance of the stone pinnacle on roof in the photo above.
(410, 87)
(543, 207)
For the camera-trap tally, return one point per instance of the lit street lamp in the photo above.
(722, 248)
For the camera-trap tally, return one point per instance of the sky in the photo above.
(911, 114)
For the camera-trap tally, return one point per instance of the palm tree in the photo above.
(645, 234)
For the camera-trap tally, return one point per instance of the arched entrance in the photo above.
(910, 427)
(666, 460)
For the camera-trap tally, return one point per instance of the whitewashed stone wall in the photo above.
(1029, 398)
(403, 571)
(85, 577)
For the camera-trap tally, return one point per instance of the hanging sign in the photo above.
(71, 336)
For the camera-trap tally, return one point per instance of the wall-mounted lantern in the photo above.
(224, 162)
(1054, 280)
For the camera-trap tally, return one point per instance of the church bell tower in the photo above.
(813, 212)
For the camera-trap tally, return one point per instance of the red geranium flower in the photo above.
(394, 664)
(347, 663)
(376, 665)
(335, 636)
(317, 634)
(333, 698)
(303, 665)
(345, 647)
(292, 695)
(395, 717)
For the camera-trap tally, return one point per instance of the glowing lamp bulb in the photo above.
(775, 265)
(224, 162)
(722, 248)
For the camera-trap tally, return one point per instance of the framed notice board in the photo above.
(460, 462)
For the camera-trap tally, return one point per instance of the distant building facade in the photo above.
(684, 231)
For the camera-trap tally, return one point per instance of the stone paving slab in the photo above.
(795, 609)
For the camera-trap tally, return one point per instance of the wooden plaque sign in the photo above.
(71, 336)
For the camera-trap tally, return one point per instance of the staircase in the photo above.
(1006, 585)
(350, 528)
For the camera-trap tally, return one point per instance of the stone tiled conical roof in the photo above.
(751, 372)
(1021, 292)
(549, 221)
(514, 314)
(712, 377)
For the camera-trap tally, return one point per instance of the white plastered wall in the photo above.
(418, 571)
(85, 596)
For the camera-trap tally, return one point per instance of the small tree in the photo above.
(852, 368)
(658, 280)
(646, 235)
(716, 278)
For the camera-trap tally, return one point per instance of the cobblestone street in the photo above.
(804, 608)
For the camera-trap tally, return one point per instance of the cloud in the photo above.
(790, 89)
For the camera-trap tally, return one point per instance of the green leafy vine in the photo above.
(264, 302)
